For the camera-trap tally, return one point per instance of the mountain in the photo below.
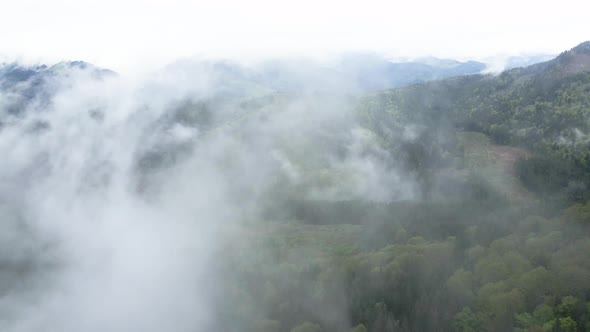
(497, 64)
(544, 108)
(373, 72)
(353, 73)
(21, 85)
(13, 73)
(225, 79)
(302, 75)
(525, 61)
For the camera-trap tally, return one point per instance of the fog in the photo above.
(117, 192)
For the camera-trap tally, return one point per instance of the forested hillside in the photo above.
(544, 108)
(496, 240)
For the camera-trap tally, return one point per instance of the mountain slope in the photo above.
(544, 107)
(376, 73)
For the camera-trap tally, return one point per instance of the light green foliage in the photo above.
(467, 321)
(578, 213)
(461, 280)
(567, 324)
(307, 327)
(542, 314)
(566, 307)
(523, 321)
(359, 328)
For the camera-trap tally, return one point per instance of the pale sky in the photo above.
(132, 34)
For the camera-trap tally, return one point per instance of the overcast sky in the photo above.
(132, 34)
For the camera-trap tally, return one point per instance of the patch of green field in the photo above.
(494, 162)
(476, 150)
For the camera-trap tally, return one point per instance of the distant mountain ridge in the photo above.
(20, 84)
(225, 79)
(11, 73)
(377, 73)
(353, 73)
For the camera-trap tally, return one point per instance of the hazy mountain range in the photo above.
(352, 73)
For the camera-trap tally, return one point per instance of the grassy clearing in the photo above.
(494, 162)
